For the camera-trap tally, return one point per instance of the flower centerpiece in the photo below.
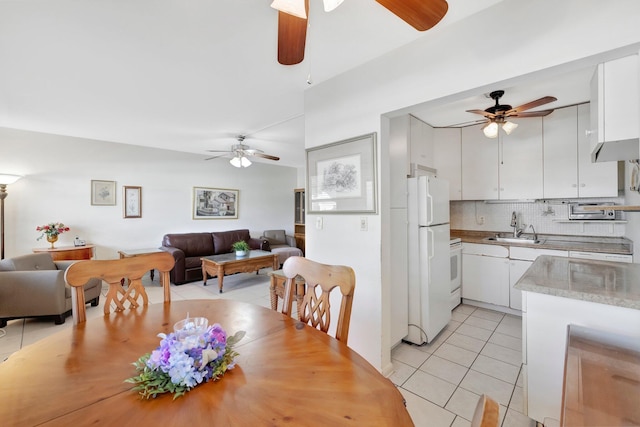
(185, 358)
(52, 230)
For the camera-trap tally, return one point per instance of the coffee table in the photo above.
(225, 264)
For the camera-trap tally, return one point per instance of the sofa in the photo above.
(278, 242)
(33, 286)
(188, 248)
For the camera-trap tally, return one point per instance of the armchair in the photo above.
(277, 241)
(34, 286)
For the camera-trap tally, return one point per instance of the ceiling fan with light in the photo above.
(293, 16)
(497, 114)
(240, 154)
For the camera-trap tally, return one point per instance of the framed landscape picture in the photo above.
(132, 197)
(215, 203)
(103, 193)
(342, 176)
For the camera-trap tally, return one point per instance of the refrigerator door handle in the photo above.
(429, 209)
(430, 251)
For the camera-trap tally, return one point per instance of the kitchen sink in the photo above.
(524, 240)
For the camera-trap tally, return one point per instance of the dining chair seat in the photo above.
(315, 308)
(118, 273)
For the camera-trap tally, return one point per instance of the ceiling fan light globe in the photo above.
(292, 7)
(236, 162)
(330, 5)
(490, 130)
(244, 162)
(508, 127)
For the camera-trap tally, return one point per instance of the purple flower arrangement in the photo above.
(183, 361)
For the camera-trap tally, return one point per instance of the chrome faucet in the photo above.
(535, 235)
(514, 223)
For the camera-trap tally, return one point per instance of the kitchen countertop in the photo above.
(610, 245)
(612, 283)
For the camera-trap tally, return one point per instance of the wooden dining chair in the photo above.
(315, 308)
(487, 413)
(117, 273)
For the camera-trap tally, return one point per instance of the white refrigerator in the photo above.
(428, 258)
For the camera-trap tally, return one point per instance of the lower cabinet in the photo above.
(485, 274)
(517, 268)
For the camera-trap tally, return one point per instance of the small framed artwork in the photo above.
(103, 193)
(132, 197)
(215, 203)
(342, 176)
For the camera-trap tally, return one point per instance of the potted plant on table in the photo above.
(241, 247)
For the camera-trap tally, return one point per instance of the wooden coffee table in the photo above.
(225, 264)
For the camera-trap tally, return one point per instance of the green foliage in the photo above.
(240, 245)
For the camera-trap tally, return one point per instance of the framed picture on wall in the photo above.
(132, 197)
(342, 176)
(103, 193)
(215, 203)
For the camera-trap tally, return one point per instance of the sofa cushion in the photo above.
(222, 240)
(31, 262)
(192, 244)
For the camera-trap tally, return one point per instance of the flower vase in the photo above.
(52, 240)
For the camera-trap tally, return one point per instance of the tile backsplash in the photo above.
(547, 217)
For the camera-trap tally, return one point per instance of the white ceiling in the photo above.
(191, 75)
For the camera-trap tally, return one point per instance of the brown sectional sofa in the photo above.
(188, 248)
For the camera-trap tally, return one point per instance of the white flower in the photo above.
(207, 356)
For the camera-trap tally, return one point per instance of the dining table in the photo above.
(287, 374)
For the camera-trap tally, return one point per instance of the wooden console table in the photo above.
(69, 252)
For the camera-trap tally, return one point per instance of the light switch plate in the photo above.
(319, 223)
(364, 224)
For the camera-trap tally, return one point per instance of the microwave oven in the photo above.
(577, 211)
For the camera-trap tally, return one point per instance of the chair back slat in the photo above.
(118, 273)
(320, 280)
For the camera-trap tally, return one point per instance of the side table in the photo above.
(137, 252)
(68, 253)
(276, 289)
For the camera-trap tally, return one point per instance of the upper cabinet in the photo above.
(568, 170)
(447, 158)
(507, 167)
(420, 143)
(615, 101)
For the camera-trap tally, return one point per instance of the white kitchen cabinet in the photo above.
(521, 259)
(508, 167)
(615, 101)
(594, 179)
(485, 274)
(447, 158)
(568, 169)
(420, 143)
(520, 175)
(479, 165)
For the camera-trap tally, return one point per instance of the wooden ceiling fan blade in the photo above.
(541, 113)
(292, 36)
(483, 113)
(420, 14)
(266, 156)
(530, 105)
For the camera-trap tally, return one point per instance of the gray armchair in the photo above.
(33, 286)
(277, 241)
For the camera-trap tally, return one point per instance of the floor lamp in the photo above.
(4, 181)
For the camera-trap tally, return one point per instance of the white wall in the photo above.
(542, 35)
(56, 187)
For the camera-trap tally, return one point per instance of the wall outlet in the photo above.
(480, 220)
(319, 223)
(364, 224)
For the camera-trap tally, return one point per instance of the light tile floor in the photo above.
(478, 352)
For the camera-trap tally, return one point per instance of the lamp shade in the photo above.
(292, 7)
(490, 130)
(508, 127)
(6, 179)
(244, 162)
(236, 162)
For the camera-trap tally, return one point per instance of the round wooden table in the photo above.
(287, 374)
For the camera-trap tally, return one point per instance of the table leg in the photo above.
(272, 293)
(204, 275)
(220, 277)
(152, 273)
(276, 264)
